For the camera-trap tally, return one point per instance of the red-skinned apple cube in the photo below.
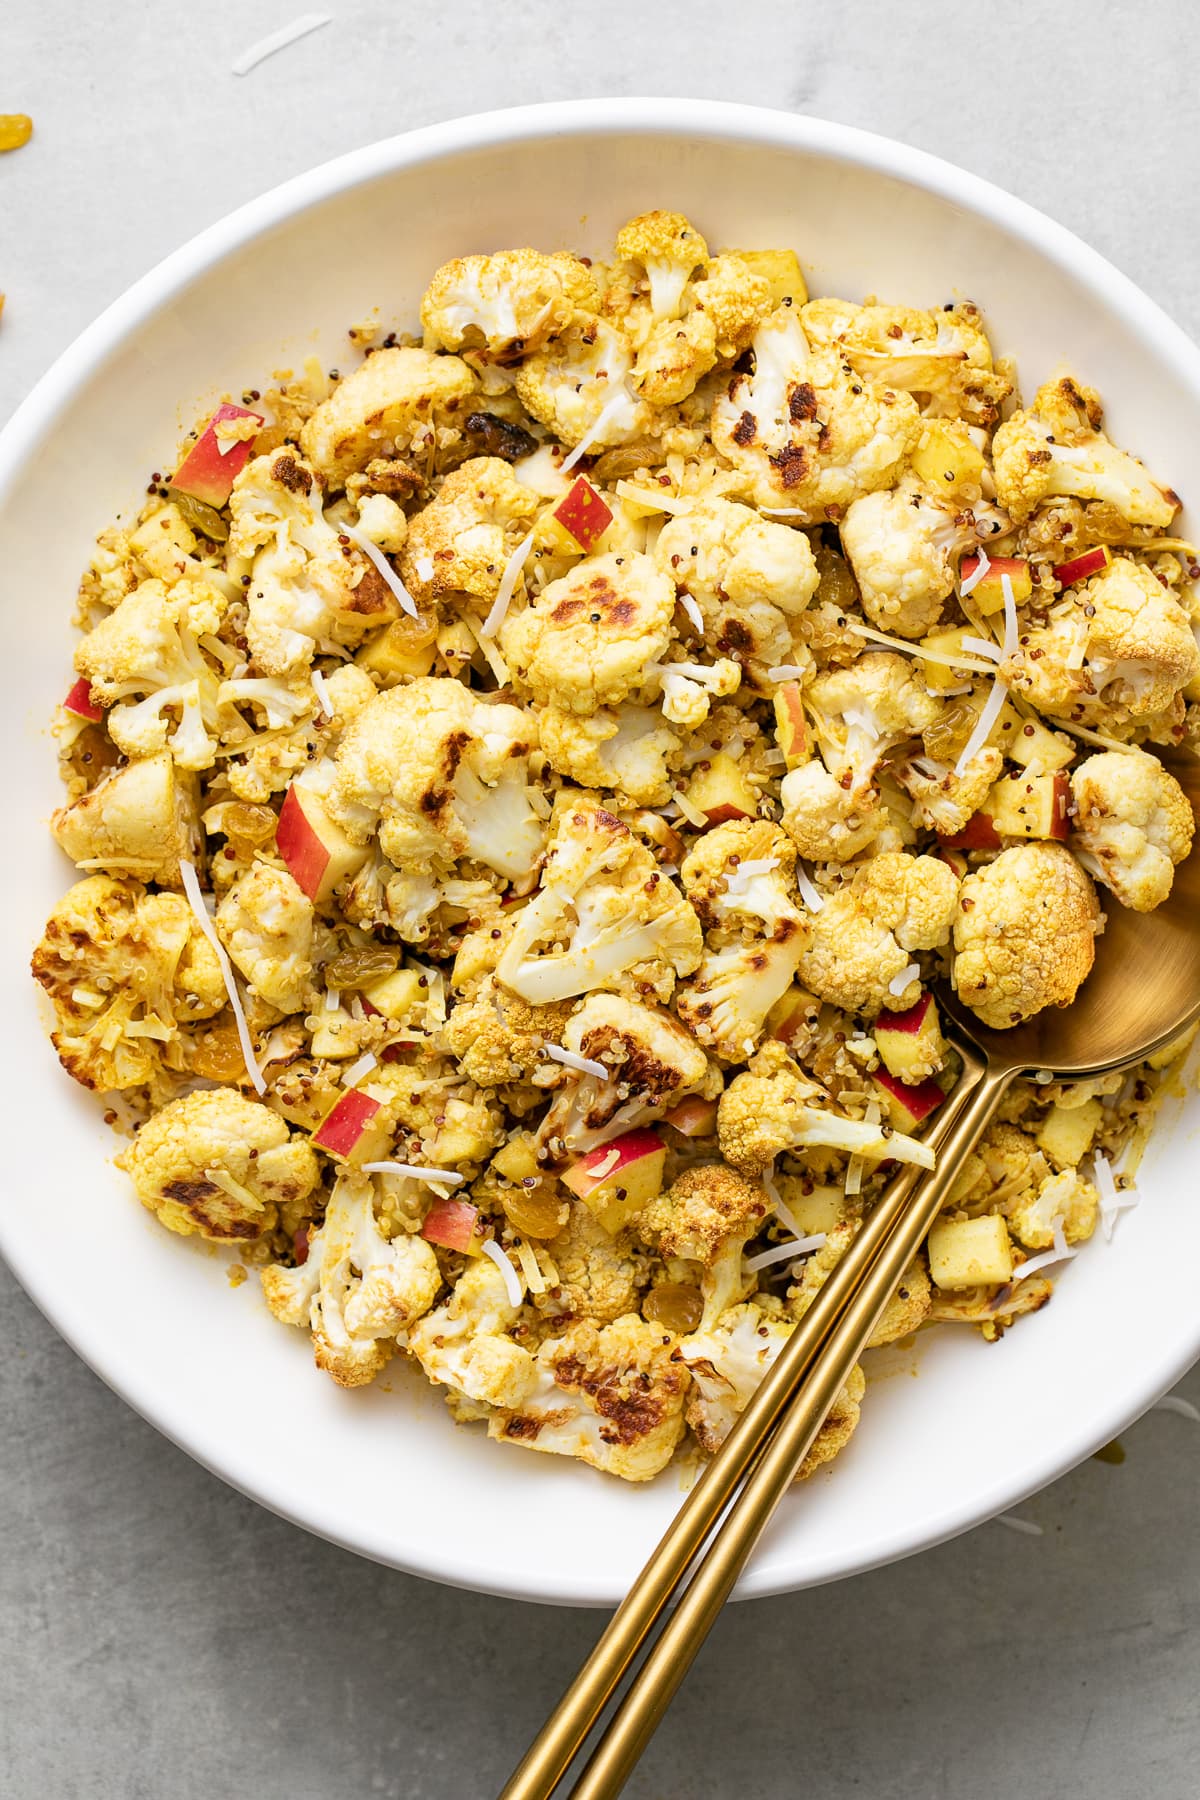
(451, 1223)
(721, 791)
(1023, 805)
(205, 472)
(908, 1105)
(584, 514)
(341, 1131)
(791, 726)
(979, 833)
(316, 852)
(792, 1013)
(988, 593)
(694, 1117)
(910, 1043)
(1080, 568)
(953, 859)
(617, 1180)
(79, 701)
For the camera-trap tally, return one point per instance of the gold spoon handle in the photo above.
(549, 1757)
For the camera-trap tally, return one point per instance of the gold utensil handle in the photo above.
(963, 1118)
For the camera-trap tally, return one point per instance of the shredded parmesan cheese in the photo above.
(585, 1065)
(854, 1175)
(333, 999)
(652, 501)
(605, 1166)
(926, 655)
(1061, 1252)
(1113, 1200)
(785, 672)
(513, 1284)
(984, 726)
(782, 1210)
(613, 404)
(354, 1074)
(899, 982)
(691, 813)
(191, 887)
(535, 1281)
(977, 574)
(781, 1252)
(322, 692)
(415, 1172)
(1175, 1403)
(424, 568)
(982, 646)
(279, 40)
(375, 555)
(693, 612)
(507, 588)
(1025, 1526)
(809, 892)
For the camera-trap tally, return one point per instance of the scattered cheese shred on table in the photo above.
(279, 40)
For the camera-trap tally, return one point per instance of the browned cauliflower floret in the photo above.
(266, 923)
(1133, 824)
(460, 542)
(702, 1210)
(145, 663)
(942, 356)
(625, 749)
(808, 437)
(749, 576)
(610, 1395)
(826, 821)
(395, 403)
(904, 545)
(1025, 934)
(498, 308)
(218, 1164)
(860, 954)
(577, 386)
(497, 1037)
(590, 639)
(1066, 1200)
(943, 800)
(141, 821)
(597, 1279)
(1056, 448)
(357, 1289)
(665, 249)
(124, 969)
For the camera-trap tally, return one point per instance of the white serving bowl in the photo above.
(385, 1471)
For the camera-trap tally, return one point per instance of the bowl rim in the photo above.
(42, 408)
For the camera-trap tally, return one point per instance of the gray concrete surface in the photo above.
(160, 1637)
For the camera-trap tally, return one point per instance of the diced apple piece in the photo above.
(694, 1117)
(1066, 1133)
(722, 792)
(821, 1210)
(346, 1128)
(452, 1223)
(1091, 562)
(1034, 747)
(953, 859)
(910, 1043)
(939, 677)
(583, 513)
(967, 1253)
(79, 701)
(209, 470)
(946, 459)
(979, 833)
(517, 1160)
(794, 1012)
(988, 594)
(335, 1036)
(780, 269)
(1029, 806)
(791, 726)
(617, 1180)
(317, 853)
(392, 654)
(908, 1105)
(1169, 1052)
(396, 995)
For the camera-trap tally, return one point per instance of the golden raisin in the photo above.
(358, 968)
(15, 129)
(216, 1051)
(837, 584)
(675, 1305)
(92, 754)
(406, 635)
(244, 823)
(536, 1212)
(203, 519)
(946, 738)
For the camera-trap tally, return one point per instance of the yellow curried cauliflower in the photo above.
(727, 1363)
(943, 799)
(498, 308)
(497, 1037)
(627, 750)
(610, 1395)
(704, 1209)
(395, 404)
(597, 1278)
(308, 587)
(266, 923)
(139, 821)
(264, 760)
(666, 249)
(774, 1107)
(218, 1164)
(1133, 824)
(749, 576)
(124, 969)
(577, 386)
(631, 926)
(464, 1343)
(903, 546)
(689, 689)
(1024, 938)
(865, 936)
(826, 821)
(357, 1290)
(652, 1061)
(862, 712)
(460, 542)
(808, 438)
(943, 356)
(440, 773)
(1056, 448)
(590, 638)
(1068, 1200)
(147, 646)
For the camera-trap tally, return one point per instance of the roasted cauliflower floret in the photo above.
(705, 1208)
(498, 308)
(668, 249)
(125, 969)
(903, 546)
(218, 1164)
(1056, 448)
(357, 1289)
(610, 1395)
(588, 639)
(140, 821)
(1067, 1200)
(689, 689)
(774, 1107)
(944, 357)
(147, 647)
(266, 923)
(943, 800)
(1141, 650)
(597, 1278)
(395, 404)
(583, 374)
(652, 1062)
(465, 1346)
(1133, 824)
(808, 437)
(1024, 936)
(440, 773)
(862, 712)
(603, 917)
(497, 1037)
(626, 749)
(826, 821)
(864, 939)
(728, 1362)
(460, 542)
(720, 552)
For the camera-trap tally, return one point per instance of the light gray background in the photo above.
(161, 1637)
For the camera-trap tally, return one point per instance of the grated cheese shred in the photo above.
(279, 40)
(781, 1252)
(507, 588)
(416, 1172)
(584, 1065)
(191, 887)
(514, 1287)
(375, 554)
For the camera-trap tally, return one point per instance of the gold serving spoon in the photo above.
(1143, 993)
